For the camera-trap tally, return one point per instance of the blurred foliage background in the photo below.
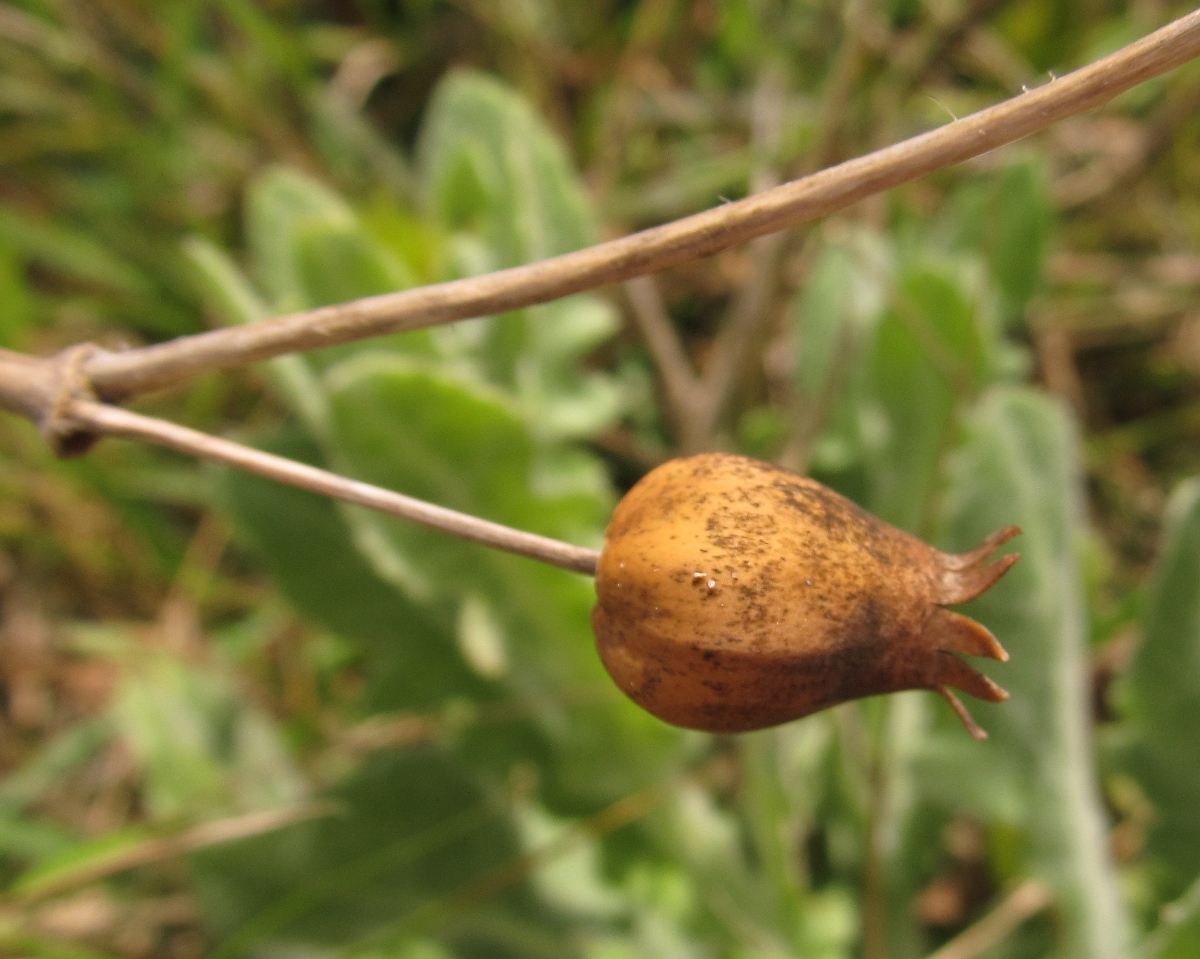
(240, 720)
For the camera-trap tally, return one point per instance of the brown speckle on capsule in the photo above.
(829, 602)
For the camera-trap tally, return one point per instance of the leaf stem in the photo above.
(116, 375)
(1024, 902)
(114, 421)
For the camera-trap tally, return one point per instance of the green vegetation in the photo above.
(243, 720)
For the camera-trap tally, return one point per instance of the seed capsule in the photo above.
(734, 595)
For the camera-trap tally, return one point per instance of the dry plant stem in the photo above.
(743, 327)
(624, 811)
(696, 402)
(157, 849)
(1024, 902)
(738, 334)
(629, 809)
(679, 380)
(113, 421)
(115, 375)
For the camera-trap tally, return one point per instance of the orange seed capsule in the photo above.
(734, 595)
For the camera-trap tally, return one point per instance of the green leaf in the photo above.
(490, 165)
(86, 861)
(833, 328)
(493, 170)
(309, 249)
(412, 828)
(313, 246)
(1020, 464)
(228, 293)
(73, 865)
(31, 839)
(280, 203)
(416, 430)
(705, 838)
(572, 881)
(834, 322)
(45, 947)
(834, 314)
(1009, 219)
(770, 815)
(416, 240)
(200, 745)
(1163, 690)
(558, 399)
(413, 428)
(221, 284)
(311, 554)
(932, 351)
(534, 356)
(339, 262)
(1178, 932)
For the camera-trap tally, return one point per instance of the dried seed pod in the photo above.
(734, 595)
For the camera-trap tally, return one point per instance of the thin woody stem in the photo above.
(1024, 902)
(57, 393)
(749, 312)
(114, 421)
(115, 375)
(681, 385)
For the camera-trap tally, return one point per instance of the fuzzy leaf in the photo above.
(1164, 689)
(1020, 464)
(415, 430)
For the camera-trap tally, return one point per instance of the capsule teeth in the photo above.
(976, 731)
(955, 633)
(961, 561)
(960, 586)
(952, 671)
